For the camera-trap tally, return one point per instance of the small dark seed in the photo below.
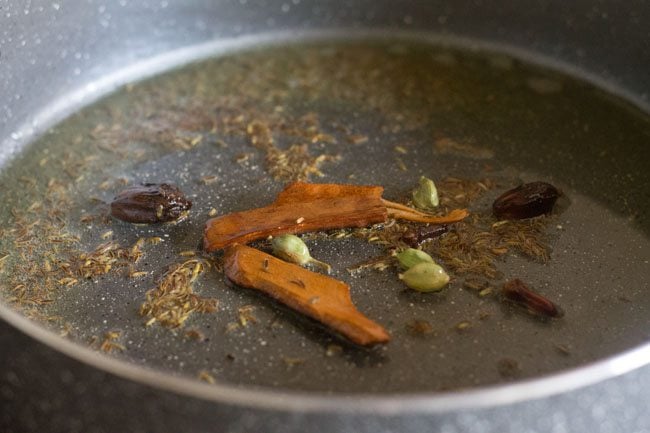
(526, 201)
(150, 203)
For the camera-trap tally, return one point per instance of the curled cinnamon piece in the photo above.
(318, 296)
(304, 207)
(400, 211)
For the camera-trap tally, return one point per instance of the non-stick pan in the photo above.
(484, 365)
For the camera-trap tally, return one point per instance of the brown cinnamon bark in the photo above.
(305, 207)
(315, 295)
(300, 208)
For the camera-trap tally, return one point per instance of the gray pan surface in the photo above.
(384, 105)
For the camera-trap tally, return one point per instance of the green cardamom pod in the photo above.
(425, 196)
(410, 257)
(292, 249)
(425, 277)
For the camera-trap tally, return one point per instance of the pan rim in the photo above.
(300, 401)
(357, 403)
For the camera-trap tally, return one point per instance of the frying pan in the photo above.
(67, 387)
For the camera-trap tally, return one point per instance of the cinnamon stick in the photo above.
(304, 207)
(300, 208)
(318, 296)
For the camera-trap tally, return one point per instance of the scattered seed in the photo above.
(486, 292)
(206, 377)
(246, 315)
(242, 158)
(333, 350)
(208, 179)
(173, 300)
(357, 139)
(292, 362)
(475, 284)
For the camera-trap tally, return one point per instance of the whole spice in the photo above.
(425, 277)
(526, 201)
(425, 196)
(150, 203)
(304, 207)
(517, 292)
(315, 295)
(292, 249)
(411, 257)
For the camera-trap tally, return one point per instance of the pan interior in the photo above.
(375, 113)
